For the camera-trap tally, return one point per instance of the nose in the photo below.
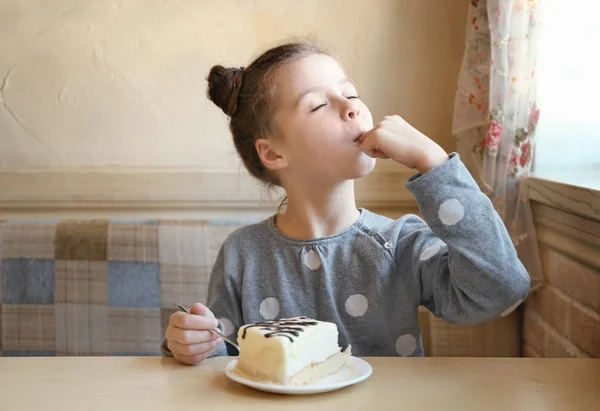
(350, 110)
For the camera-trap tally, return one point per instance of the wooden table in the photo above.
(419, 384)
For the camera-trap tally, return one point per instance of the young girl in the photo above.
(297, 122)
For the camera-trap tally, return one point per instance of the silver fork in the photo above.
(212, 330)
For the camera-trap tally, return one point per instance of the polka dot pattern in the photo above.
(430, 251)
(228, 327)
(451, 212)
(356, 305)
(406, 345)
(269, 308)
(511, 308)
(312, 260)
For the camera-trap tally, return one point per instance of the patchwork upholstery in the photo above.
(108, 287)
(100, 287)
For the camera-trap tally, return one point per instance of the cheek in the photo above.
(304, 143)
(365, 113)
(315, 135)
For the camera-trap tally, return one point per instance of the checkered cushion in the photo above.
(100, 287)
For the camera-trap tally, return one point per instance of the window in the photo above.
(568, 70)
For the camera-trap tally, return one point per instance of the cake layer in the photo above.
(308, 375)
(278, 350)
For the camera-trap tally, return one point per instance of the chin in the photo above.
(364, 166)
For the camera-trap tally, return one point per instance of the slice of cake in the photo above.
(291, 351)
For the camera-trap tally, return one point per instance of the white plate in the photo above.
(354, 371)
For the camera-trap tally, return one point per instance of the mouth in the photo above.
(359, 138)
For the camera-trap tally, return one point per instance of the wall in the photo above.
(103, 110)
(562, 318)
(119, 85)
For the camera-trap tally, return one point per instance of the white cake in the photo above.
(291, 351)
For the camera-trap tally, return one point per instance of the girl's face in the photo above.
(318, 121)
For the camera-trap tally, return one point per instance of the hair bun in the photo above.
(224, 84)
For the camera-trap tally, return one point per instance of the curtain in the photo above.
(495, 113)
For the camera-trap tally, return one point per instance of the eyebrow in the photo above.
(313, 89)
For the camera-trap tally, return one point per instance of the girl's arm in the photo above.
(460, 259)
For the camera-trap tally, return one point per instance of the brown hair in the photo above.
(248, 97)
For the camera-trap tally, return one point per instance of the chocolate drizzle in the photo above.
(286, 327)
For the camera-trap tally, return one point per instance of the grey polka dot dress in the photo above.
(371, 278)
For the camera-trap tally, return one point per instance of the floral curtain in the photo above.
(496, 115)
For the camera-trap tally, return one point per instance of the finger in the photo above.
(190, 359)
(378, 154)
(393, 117)
(192, 321)
(192, 349)
(190, 336)
(365, 135)
(388, 119)
(201, 309)
(372, 146)
(371, 143)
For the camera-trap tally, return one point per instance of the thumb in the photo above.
(201, 309)
(365, 135)
(371, 145)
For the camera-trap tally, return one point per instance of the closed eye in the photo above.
(318, 107)
(324, 104)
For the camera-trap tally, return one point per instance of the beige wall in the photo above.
(121, 83)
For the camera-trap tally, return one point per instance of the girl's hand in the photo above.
(188, 337)
(394, 138)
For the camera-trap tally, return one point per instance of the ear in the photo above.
(270, 155)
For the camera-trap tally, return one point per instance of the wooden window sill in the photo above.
(573, 191)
